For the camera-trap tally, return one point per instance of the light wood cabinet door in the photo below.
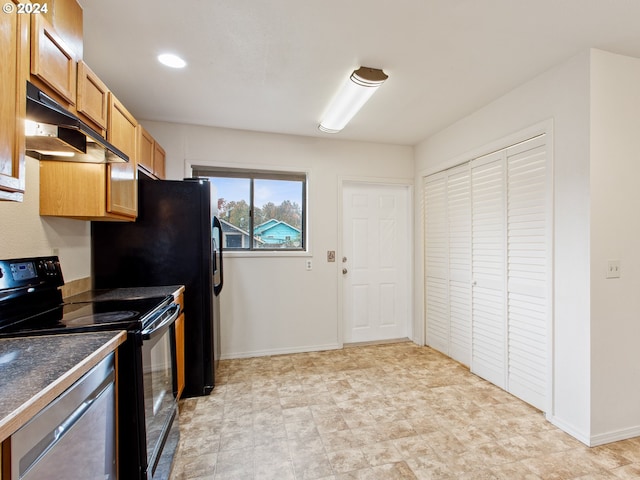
(76, 190)
(52, 61)
(93, 97)
(159, 158)
(122, 187)
(145, 149)
(180, 353)
(14, 71)
(151, 155)
(66, 16)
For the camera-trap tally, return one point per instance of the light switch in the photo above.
(613, 269)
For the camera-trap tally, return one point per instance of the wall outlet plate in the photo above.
(613, 269)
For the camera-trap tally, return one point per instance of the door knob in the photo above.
(344, 271)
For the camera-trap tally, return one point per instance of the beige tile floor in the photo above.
(394, 411)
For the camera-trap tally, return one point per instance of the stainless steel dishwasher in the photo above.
(73, 438)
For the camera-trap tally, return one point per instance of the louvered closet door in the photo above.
(488, 184)
(487, 261)
(436, 262)
(459, 239)
(447, 205)
(528, 267)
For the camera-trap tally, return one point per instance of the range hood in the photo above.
(53, 133)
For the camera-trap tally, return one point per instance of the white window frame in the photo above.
(209, 171)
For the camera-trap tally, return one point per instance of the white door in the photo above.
(376, 262)
(459, 240)
(488, 260)
(488, 184)
(436, 263)
(447, 223)
(511, 265)
(529, 264)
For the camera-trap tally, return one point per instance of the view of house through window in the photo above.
(259, 210)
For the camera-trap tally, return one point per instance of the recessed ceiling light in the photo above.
(171, 60)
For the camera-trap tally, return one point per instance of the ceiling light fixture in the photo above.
(171, 60)
(362, 83)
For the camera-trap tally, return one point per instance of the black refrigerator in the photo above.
(174, 241)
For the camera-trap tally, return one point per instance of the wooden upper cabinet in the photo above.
(56, 47)
(145, 149)
(14, 71)
(159, 160)
(93, 98)
(52, 61)
(82, 190)
(122, 189)
(67, 19)
(95, 191)
(151, 155)
(75, 190)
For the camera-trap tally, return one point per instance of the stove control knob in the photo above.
(49, 267)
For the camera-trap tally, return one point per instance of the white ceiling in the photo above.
(274, 65)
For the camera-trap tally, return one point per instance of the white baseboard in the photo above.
(570, 429)
(599, 439)
(280, 351)
(615, 436)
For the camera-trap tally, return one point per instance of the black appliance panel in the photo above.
(28, 286)
(29, 272)
(87, 317)
(169, 243)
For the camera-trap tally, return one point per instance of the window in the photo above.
(259, 210)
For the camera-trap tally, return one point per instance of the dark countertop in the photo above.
(35, 370)
(130, 293)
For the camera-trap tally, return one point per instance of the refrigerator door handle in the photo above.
(217, 258)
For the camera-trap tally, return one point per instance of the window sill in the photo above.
(265, 253)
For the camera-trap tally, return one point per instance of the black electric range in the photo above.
(87, 317)
(31, 304)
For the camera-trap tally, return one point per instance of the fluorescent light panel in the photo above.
(352, 96)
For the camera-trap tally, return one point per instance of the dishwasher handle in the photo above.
(71, 421)
(54, 437)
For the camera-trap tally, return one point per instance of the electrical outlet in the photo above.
(308, 264)
(613, 269)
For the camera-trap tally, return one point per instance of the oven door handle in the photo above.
(165, 318)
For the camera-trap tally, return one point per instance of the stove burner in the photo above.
(102, 317)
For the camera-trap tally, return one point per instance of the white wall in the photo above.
(24, 233)
(615, 235)
(560, 95)
(271, 304)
